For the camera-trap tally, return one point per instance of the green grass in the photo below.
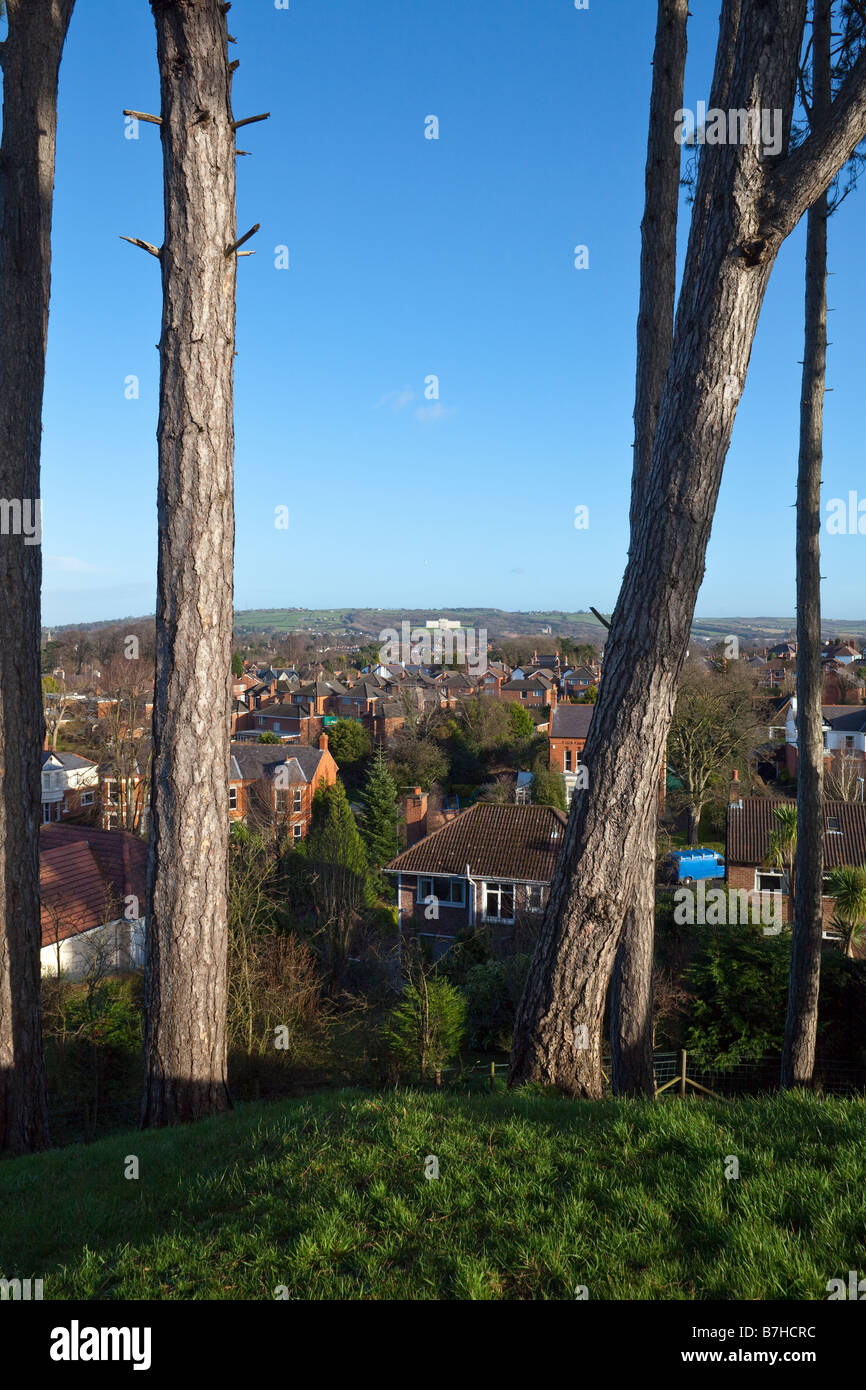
(536, 1196)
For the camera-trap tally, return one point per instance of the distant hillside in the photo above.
(365, 624)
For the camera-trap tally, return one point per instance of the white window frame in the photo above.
(495, 888)
(781, 886)
(531, 890)
(233, 793)
(433, 888)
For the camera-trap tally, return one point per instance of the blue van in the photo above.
(687, 865)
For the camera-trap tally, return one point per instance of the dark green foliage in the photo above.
(740, 984)
(381, 812)
(548, 789)
(237, 664)
(268, 737)
(348, 742)
(493, 990)
(521, 722)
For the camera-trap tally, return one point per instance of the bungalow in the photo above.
(491, 865)
(92, 889)
(268, 784)
(751, 821)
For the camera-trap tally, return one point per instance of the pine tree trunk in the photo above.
(745, 206)
(185, 1036)
(801, 1024)
(631, 1003)
(30, 59)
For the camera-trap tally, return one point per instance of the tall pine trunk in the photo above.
(631, 1002)
(801, 1024)
(185, 1033)
(30, 58)
(746, 203)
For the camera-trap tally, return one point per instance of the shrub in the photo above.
(425, 1030)
(493, 991)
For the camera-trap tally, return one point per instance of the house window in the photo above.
(233, 798)
(87, 798)
(276, 726)
(767, 881)
(448, 891)
(499, 902)
(281, 799)
(298, 801)
(534, 897)
(297, 832)
(833, 826)
(568, 758)
(849, 740)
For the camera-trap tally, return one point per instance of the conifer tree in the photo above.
(381, 812)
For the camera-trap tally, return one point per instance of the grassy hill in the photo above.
(535, 1197)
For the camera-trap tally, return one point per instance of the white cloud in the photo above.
(429, 414)
(397, 400)
(71, 564)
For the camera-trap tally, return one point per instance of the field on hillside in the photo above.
(536, 1198)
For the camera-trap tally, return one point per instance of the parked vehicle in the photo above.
(687, 865)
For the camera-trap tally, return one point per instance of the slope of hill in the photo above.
(334, 1198)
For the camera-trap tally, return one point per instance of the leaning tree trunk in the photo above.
(30, 58)
(185, 1034)
(631, 1002)
(801, 1024)
(745, 206)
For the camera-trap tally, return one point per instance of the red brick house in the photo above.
(751, 821)
(490, 866)
(268, 784)
(536, 691)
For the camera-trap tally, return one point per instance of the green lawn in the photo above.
(535, 1196)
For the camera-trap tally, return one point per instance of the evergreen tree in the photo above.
(339, 871)
(381, 812)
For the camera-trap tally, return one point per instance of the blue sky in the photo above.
(411, 257)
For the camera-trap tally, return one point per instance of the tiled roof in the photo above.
(250, 761)
(750, 826)
(571, 721)
(506, 842)
(85, 874)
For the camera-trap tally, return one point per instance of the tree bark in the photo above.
(801, 1024)
(631, 1003)
(746, 204)
(185, 1033)
(30, 59)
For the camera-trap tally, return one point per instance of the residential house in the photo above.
(491, 866)
(268, 783)
(578, 679)
(569, 727)
(844, 728)
(70, 786)
(751, 821)
(93, 891)
(538, 692)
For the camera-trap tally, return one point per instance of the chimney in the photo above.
(735, 792)
(415, 810)
(323, 742)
